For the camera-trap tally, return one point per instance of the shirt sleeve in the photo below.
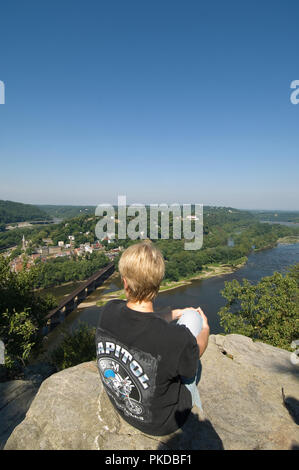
(164, 313)
(188, 360)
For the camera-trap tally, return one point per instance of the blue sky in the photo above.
(162, 101)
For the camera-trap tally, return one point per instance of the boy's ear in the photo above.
(125, 282)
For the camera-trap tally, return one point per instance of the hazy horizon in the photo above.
(162, 202)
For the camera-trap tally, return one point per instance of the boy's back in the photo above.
(141, 358)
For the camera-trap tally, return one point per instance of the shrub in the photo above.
(75, 348)
(267, 311)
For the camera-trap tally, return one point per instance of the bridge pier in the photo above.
(90, 288)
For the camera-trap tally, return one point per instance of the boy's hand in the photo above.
(205, 323)
(177, 313)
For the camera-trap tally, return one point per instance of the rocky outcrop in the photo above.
(15, 399)
(17, 395)
(241, 390)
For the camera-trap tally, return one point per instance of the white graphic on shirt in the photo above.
(122, 389)
(127, 358)
(128, 375)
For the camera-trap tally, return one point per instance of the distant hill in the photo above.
(69, 211)
(17, 212)
(274, 216)
(66, 212)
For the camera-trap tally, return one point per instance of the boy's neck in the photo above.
(143, 306)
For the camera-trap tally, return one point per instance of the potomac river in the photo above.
(204, 293)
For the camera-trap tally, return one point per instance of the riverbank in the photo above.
(207, 272)
(288, 240)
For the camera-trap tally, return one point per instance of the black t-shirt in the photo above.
(141, 359)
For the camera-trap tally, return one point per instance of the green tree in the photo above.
(75, 348)
(18, 332)
(267, 311)
(16, 252)
(22, 315)
(294, 273)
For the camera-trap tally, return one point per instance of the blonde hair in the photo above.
(142, 265)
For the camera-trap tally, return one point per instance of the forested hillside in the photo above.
(65, 212)
(17, 212)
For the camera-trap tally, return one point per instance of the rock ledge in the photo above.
(241, 390)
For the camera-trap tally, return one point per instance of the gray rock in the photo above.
(15, 399)
(241, 390)
(243, 395)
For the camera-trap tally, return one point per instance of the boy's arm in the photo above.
(171, 315)
(165, 313)
(203, 337)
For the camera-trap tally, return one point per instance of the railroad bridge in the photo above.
(58, 314)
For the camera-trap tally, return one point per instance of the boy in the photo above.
(148, 365)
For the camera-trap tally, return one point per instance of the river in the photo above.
(204, 293)
(287, 224)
